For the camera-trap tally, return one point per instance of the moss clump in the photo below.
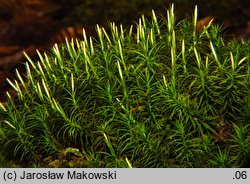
(158, 94)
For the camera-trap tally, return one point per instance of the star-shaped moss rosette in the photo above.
(156, 94)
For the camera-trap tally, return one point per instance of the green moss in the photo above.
(157, 94)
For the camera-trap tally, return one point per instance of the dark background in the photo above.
(24, 22)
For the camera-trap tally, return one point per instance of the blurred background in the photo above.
(37, 24)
